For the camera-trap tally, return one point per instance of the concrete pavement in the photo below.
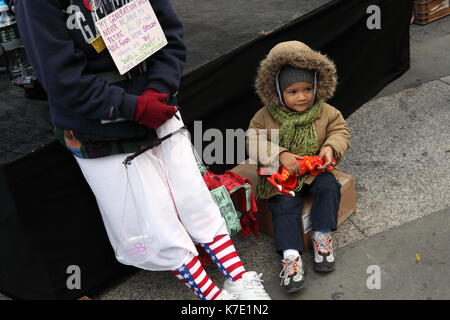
(409, 262)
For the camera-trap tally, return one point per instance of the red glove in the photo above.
(152, 109)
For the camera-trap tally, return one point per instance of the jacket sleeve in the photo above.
(337, 135)
(60, 67)
(262, 146)
(166, 66)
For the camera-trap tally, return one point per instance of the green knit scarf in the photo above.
(298, 135)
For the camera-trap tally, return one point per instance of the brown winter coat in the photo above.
(330, 125)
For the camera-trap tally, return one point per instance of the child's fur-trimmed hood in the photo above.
(298, 55)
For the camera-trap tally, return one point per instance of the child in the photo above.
(157, 208)
(293, 82)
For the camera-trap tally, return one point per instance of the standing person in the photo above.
(157, 208)
(293, 82)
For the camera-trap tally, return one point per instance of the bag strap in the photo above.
(153, 144)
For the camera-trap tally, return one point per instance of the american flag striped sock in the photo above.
(195, 277)
(224, 254)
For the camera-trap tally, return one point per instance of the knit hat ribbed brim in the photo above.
(289, 75)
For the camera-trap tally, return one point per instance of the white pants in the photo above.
(156, 209)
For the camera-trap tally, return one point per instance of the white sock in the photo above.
(290, 252)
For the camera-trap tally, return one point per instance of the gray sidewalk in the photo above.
(392, 254)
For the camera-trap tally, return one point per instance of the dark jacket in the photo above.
(56, 36)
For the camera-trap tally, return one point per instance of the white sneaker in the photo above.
(249, 287)
(225, 295)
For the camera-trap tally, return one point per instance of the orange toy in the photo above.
(286, 183)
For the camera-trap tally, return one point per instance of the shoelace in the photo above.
(323, 243)
(290, 267)
(256, 284)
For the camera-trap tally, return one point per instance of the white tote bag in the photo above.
(169, 206)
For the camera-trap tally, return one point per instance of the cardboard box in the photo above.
(347, 205)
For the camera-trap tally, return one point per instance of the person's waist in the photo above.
(92, 126)
(112, 76)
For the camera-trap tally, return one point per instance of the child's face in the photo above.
(299, 96)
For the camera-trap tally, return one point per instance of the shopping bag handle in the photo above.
(156, 142)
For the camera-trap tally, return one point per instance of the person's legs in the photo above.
(196, 279)
(224, 255)
(325, 206)
(327, 197)
(286, 213)
(194, 203)
(142, 222)
(196, 208)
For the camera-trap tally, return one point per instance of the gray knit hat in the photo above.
(289, 75)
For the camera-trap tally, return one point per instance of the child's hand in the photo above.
(326, 153)
(289, 161)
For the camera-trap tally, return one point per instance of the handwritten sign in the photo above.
(132, 33)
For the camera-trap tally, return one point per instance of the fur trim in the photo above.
(299, 55)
